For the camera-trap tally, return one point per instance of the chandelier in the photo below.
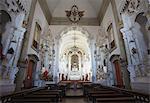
(74, 40)
(74, 15)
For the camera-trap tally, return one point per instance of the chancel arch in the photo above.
(74, 55)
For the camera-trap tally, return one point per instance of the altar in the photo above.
(75, 77)
(75, 74)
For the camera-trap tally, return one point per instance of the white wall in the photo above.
(41, 20)
(109, 18)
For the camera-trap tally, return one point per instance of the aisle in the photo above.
(74, 96)
(74, 93)
(74, 100)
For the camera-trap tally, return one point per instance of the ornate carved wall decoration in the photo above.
(100, 73)
(130, 6)
(101, 37)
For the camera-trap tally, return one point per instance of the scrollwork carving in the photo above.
(130, 6)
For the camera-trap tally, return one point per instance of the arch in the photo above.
(114, 57)
(33, 57)
(67, 35)
(74, 41)
(77, 28)
(142, 20)
(4, 19)
(115, 60)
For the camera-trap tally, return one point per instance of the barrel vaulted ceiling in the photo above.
(58, 7)
(55, 10)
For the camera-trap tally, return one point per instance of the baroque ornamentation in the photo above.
(16, 5)
(130, 6)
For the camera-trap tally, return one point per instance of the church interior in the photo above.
(69, 51)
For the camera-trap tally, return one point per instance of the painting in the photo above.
(36, 38)
(111, 37)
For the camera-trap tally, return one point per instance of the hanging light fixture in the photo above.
(74, 40)
(74, 15)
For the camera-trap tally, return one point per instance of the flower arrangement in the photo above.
(46, 76)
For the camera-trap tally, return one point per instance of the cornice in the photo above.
(83, 21)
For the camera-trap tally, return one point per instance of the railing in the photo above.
(140, 97)
(8, 98)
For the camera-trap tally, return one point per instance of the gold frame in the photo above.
(34, 42)
(112, 43)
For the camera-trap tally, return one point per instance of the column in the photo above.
(9, 32)
(129, 59)
(92, 46)
(20, 32)
(56, 61)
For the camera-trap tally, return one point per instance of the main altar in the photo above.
(75, 74)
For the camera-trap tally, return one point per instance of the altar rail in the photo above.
(8, 98)
(140, 97)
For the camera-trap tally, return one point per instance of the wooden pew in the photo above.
(116, 100)
(34, 100)
(96, 96)
(45, 97)
(50, 92)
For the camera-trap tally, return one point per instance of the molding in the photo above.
(103, 10)
(83, 21)
(45, 10)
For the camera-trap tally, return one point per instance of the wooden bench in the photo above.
(34, 98)
(116, 100)
(41, 100)
(95, 96)
(102, 92)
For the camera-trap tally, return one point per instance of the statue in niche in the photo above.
(74, 69)
(74, 63)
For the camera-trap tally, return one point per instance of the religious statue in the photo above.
(74, 68)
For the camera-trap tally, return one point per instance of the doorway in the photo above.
(119, 80)
(28, 83)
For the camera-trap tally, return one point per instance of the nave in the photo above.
(74, 51)
(76, 92)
